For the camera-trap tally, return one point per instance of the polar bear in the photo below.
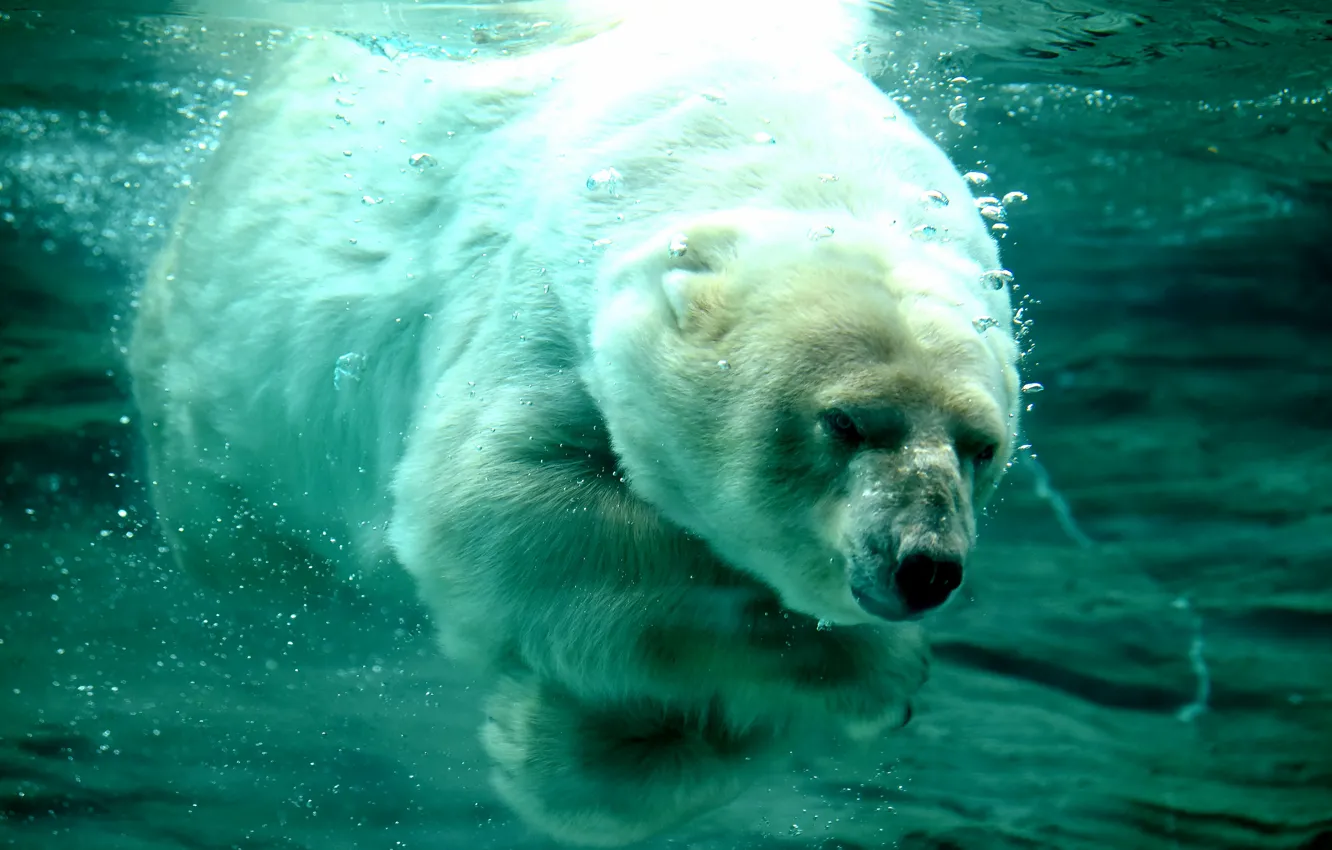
(658, 359)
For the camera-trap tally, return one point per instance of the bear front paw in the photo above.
(878, 671)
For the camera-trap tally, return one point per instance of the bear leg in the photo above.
(609, 775)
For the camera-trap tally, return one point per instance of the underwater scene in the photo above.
(701, 424)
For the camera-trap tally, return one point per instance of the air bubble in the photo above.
(422, 161)
(1033, 387)
(996, 278)
(607, 179)
(976, 178)
(958, 114)
(679, 245)
(1015, 198)
(993, 213)
(933, 198)
(348, 368)
(984, 323)
(723, 365)
(823, 626)
(925, 232)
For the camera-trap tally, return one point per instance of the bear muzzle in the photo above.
(924, 581)
(906, 584)
(909, 527)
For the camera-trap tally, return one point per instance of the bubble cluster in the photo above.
(86, 178)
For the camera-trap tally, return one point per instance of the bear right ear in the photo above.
(693, 296)
(695, 275)
(707, 244)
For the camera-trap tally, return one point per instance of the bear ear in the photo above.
(695, 273)
(692, 295)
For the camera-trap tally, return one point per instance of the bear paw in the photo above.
(878, 672)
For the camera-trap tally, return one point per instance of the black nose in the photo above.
(925, 582)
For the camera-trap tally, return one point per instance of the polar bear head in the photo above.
(827, 407)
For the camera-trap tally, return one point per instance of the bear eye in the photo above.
(986, 454)
(841, 426)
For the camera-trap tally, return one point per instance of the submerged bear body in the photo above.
(641, 355)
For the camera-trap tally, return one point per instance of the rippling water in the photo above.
(1087, 100)
(1145, 665)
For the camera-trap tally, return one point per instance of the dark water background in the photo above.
(1144, 656)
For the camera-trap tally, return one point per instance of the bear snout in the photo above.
(907, 586)
(923, 581)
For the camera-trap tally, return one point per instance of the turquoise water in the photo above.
(1140, 655)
